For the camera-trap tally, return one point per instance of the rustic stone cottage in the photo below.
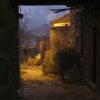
(85, 22)
(61, 35)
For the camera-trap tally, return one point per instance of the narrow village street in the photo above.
(36, 86)
(49, 50)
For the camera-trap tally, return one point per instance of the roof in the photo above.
(62, 19)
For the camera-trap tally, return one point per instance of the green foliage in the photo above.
(49, 68)
(66, 58)
(42, 49)
(48, 65)
(37, 62)
(61, 60)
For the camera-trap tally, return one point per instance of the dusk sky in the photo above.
(38, 15)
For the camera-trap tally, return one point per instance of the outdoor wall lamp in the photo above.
(20, 16)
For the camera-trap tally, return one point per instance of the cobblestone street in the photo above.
(36, 86)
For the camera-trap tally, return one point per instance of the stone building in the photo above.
(75, 26)
(90, 32)
(61, 35)
(87, 20)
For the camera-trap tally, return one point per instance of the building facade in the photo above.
(87, 24)
(61, 35)
(90, 32)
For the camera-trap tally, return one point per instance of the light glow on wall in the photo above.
(61, 24)
(38, 56)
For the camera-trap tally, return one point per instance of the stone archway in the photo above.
(9, 42)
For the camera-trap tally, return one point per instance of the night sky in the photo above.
(38, 15)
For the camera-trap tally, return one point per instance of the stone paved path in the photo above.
(36, 86)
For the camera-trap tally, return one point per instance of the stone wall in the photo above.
(61, 38)
(90, 28)
(86, 22)
(9, 41)
(76, 27)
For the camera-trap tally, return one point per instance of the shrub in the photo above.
(48, 65)
(65, 58)
(37, 62)
(30, 61)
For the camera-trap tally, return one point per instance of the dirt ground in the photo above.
(36, 86)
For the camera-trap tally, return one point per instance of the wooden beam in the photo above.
(42, 2)
(68, 3)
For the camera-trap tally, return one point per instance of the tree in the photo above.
(42, 49)
(25, 35)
